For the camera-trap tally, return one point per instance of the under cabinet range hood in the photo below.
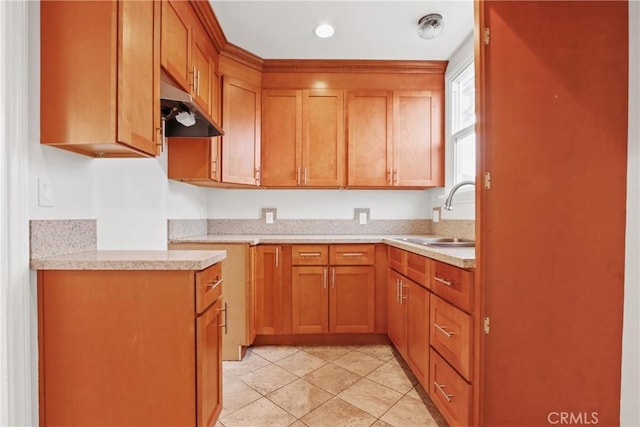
(181, 115)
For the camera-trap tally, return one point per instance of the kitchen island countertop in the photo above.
(131, 260)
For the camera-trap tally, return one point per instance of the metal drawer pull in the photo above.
(214, 284)
(443, 330)
(333, 277)
(402, 295)
(353, 254)
(224, 325)
(397, 290)
(324, 278)
(443, 281)
(444, 393)
(309, 254)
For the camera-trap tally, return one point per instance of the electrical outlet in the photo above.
(361, 215)
(362, 218)
(269, 215)
(436, 215)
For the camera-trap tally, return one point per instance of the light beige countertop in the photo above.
(460, 257)
(131, 260)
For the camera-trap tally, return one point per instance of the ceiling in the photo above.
(363, 29)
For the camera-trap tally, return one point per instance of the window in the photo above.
(462, 125)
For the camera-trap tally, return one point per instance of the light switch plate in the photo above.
(45, 193)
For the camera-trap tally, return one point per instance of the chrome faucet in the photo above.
(447, 203)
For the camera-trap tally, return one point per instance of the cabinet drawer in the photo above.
(397, 259)
(450, 334)
(310, 254)
(208, 286)
(453, 284)
(449, 392)
(352, 254)
(419, 269)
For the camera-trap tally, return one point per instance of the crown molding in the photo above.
(243, 56)
(353, 66)
(205, 13)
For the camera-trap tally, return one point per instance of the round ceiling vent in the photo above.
(430, 26)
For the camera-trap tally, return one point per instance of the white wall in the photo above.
(630, 387)
(319, 204)
(131, 199)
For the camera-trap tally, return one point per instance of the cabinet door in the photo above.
(139, 74)
(281, 138)
(417, 140)
(417, 306)
(370, 127)
(209, 365)
(194, 160)
(352, 299)
(241, 106)
(176, 41)
(269, 290)
(203, 67)
(323, 149)
(396, 319)
(310, 300)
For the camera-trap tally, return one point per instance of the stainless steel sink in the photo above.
(445, 242)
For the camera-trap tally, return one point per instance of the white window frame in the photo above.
(466, 194)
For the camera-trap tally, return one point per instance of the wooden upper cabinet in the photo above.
(194, 160)
(395, 139)
(100, 77)
(370, 130)
(188, 55)
(418, 149)
(303, 138)
(281, 137)
(176, 41)
(241, 107)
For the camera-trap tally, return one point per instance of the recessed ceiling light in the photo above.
(324, 31)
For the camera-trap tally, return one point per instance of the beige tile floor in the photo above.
(329, 386)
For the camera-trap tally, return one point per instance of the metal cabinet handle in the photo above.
(277, 253)
(395, 176)
(309, 254)
(402, 295)
(298, 176)
(213, 284)
(224, 325)
(305, 175)
(346, 254)
(198, 86)
(398, 290)
(443, 281)
(333, 277)
(444, 393)
(256, 176)
(443, 330)
(324, 278)
(193, 83)
(389, 176)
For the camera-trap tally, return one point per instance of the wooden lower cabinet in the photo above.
(333, 298)
(130, 347)
(310, 300)
(417, 307)
(273, 289)
(450, 392)
(408, 323)
(396, 314)
(239, 294)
